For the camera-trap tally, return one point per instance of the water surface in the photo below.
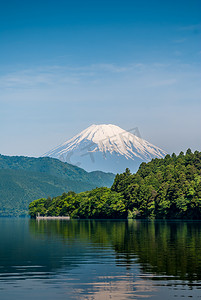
(94, 259)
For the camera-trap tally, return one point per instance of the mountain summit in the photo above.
(107, 148)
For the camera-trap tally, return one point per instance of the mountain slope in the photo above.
(24, 179)
(106, 148)
(18, 188)
(55, 167)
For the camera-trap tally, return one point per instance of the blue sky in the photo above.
(65, 65)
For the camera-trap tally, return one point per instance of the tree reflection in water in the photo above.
(159, 247)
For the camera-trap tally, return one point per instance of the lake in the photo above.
(99, 259)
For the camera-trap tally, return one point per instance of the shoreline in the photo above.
(52, 218)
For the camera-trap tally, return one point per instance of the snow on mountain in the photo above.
(108, 148)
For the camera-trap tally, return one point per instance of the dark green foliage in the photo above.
(100, 203)
(23, 179)
(163, 188)
(55, 167)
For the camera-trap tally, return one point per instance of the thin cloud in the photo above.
(51, 75)
(110, 68)
(133, 75)
(193, 27)
(165, 82)
(179, 41)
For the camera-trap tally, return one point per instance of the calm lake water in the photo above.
(99, 259)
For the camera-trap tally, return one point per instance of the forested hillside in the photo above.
(55, 167)
(163, 188)
(23, 179)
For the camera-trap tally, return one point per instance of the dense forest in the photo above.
(163, 188)
(23, 179)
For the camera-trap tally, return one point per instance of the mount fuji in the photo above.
(107, 148)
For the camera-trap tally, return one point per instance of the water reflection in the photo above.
(99, 259)
(162, 248)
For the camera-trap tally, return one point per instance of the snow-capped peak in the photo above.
(107, 139)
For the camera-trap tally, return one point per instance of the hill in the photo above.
(163, 188)
(23, 179)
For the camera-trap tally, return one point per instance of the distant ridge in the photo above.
(24, 179)
(108, 148)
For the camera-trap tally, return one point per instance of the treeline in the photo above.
(163, 188)
(23, 179)
(100, 203)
